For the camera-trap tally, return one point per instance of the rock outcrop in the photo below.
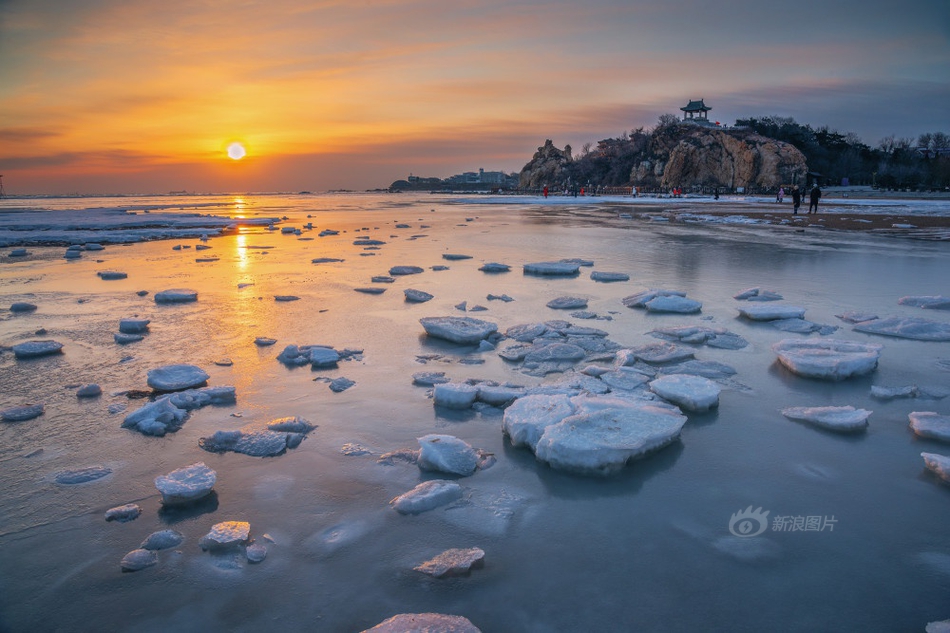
(681, 155)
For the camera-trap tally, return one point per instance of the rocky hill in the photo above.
(681, 155)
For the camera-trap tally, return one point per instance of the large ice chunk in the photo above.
(603, 441)
(176, 377)
(930, 425)
(641, 299)
(455, 395)
(829, 359)
(226, 535)
(843, 419)
(427, 496)
(176, 295)
(938, 465)
(693, 393)
(32, 349)
(899, 327)
(461, 330)
(526, 419)
(186, 485)
(447, 454)
(22, 413)
(932, 302)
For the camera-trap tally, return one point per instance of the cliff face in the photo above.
(682, 155)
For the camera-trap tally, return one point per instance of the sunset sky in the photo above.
(144, 96)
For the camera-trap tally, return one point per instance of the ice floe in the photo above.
(429, 378)
(567, 303)
(82, 475)
(654, 354)
(494, 267)
(124, 514)
(455, 256)
(168, 413)
(454, 395)
(938, 465)
(89, 391)
(933, 302)
(267, 440)
(698, 335)
(453, 562)
(22, 307)
(447, 454)
(591, 435)
(341, 384)
(163, 539)
(427, 496)
(125, 339)
(138, 559)
(828, 359)
(906, 327)
(425, 623)
(176, 295)
(845, 419)
(853, 316)
(176, 377)
(226, 535)
(111, 275)
(771, 312)
(406, 270)
(186, 485)
(690, 392)
(673, 303)
(33, 349)
(930, 425)
(460, 330)
(22, 413)
(554, 269)
(417, 296)
(757, 294)
(640, 299)
(133, 326)
(608, 277)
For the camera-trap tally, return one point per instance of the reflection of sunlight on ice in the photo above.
(241, 251)
(238, 208)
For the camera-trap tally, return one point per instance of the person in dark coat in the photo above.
(796, 199)
(813, 201)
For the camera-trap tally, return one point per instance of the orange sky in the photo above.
(137, 96)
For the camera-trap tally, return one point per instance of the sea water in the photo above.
(648, 549)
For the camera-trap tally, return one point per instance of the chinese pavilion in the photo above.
(695, 110)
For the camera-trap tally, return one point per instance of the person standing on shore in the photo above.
(781, 195)
(796, 199)
(545, 191)
(813, 200)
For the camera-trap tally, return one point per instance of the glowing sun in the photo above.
(236, 151)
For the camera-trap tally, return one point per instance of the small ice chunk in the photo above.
(323, 357)
(406, 270)
(425, 623)
(653, 353)
(163, 539)
(674, 304)
(930, 425)
(498, 396)
(133, 326)
(495, 267)
(417, 296)
(890, 393)
(447, 454)
(641, 299)
(21, 307)
(370, 290)
(18, 252)
(455, 256)
(933, 302)
(186, 485)
(111, 275)
(842, 419)
(552, 268)
(609, 277)
(453, 562)
(253, 442)
(771, 312)
(32, 349)
(226, 535)
(567, 303)
(502, 297)
(156, 418)
(427, 496)
(624, 379)
(285, 298)
(89, 391)
(124, 514)
(176, 377)
(138, 559)
(454, 395)
(125, 339)
(264, 341)
(693, 393)
(856, 317)
(176, 295)
(460, 330)
(937, 464)
(82, 475)
(22, 413)
(429, 378)
(757, 294)
(256, 553)
(338, 385)
(828, 359)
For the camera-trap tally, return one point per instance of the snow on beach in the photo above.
(500, 433)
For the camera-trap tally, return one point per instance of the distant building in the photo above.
(695, 111)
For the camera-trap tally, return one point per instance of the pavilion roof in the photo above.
(696, 106)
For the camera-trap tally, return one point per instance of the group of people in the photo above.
(813, 197)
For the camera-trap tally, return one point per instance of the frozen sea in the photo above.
(648, 549)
